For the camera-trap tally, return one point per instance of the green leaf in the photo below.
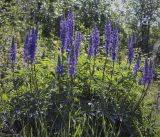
(4, 97)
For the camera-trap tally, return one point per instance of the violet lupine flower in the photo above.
(68, 45)
(147, 73)
(107, 37)
(90, 49)
(63, 33)
(71, 25)
(33, 44)
(70, 31)
(131, 49)
(60, 67)
(30, 46)
(72, 63)
(137, 65)
(13, 51)
(94, 42)
(115, 44)
(77, 44)
(26, 46)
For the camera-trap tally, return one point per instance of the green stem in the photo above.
(129, 67)
(112, 70)
(30, 77)
(72, 85)
(35, 77)
(144, 93)
(104, 68)
(94, 64)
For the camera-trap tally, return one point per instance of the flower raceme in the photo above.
(147, 73)
(107, 37)
(94, 42)
(13, 51)
(137, 65)
(67, 32)
(70, 21)
(30, 46)
(77, 44)
(132, 41)
(63, 32)
(60, 67)
(72, 62)
(114, 44)
(73, 56)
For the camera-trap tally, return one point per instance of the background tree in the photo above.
(146, 12)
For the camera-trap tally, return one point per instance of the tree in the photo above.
(146, 12)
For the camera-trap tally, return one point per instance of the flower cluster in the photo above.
(13, 51)
(94, 42)
(67, 32)
(147, 72)
(114, 44)
(72, 62)
(68, 43)
(63, 31)
(73, 55)
(132, 41)
(137, 65)
(60, 67)
(70, 21)
(30, 45)
(107, 37)
(77, 44)
(72, 44)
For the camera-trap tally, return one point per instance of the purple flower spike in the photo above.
(131, 49)
(77, 44)
(70, 31)
(59, 68)
(90, 49)
(63, 34)
(71, 25)
(13, 51)
(147, 73)
(30, 46)
(137, 65)
(94, 42)
(33, 44)
(115, 44)
(26, 45)
(72, 63)
(107, 37)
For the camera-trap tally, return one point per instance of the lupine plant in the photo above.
(94, 42)
(59, 68)
(147, 73)
(137, 65)
(30, 46)
(99, 105)
(131, 48)
(115, 44)
(63, 32)
(107, 37)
